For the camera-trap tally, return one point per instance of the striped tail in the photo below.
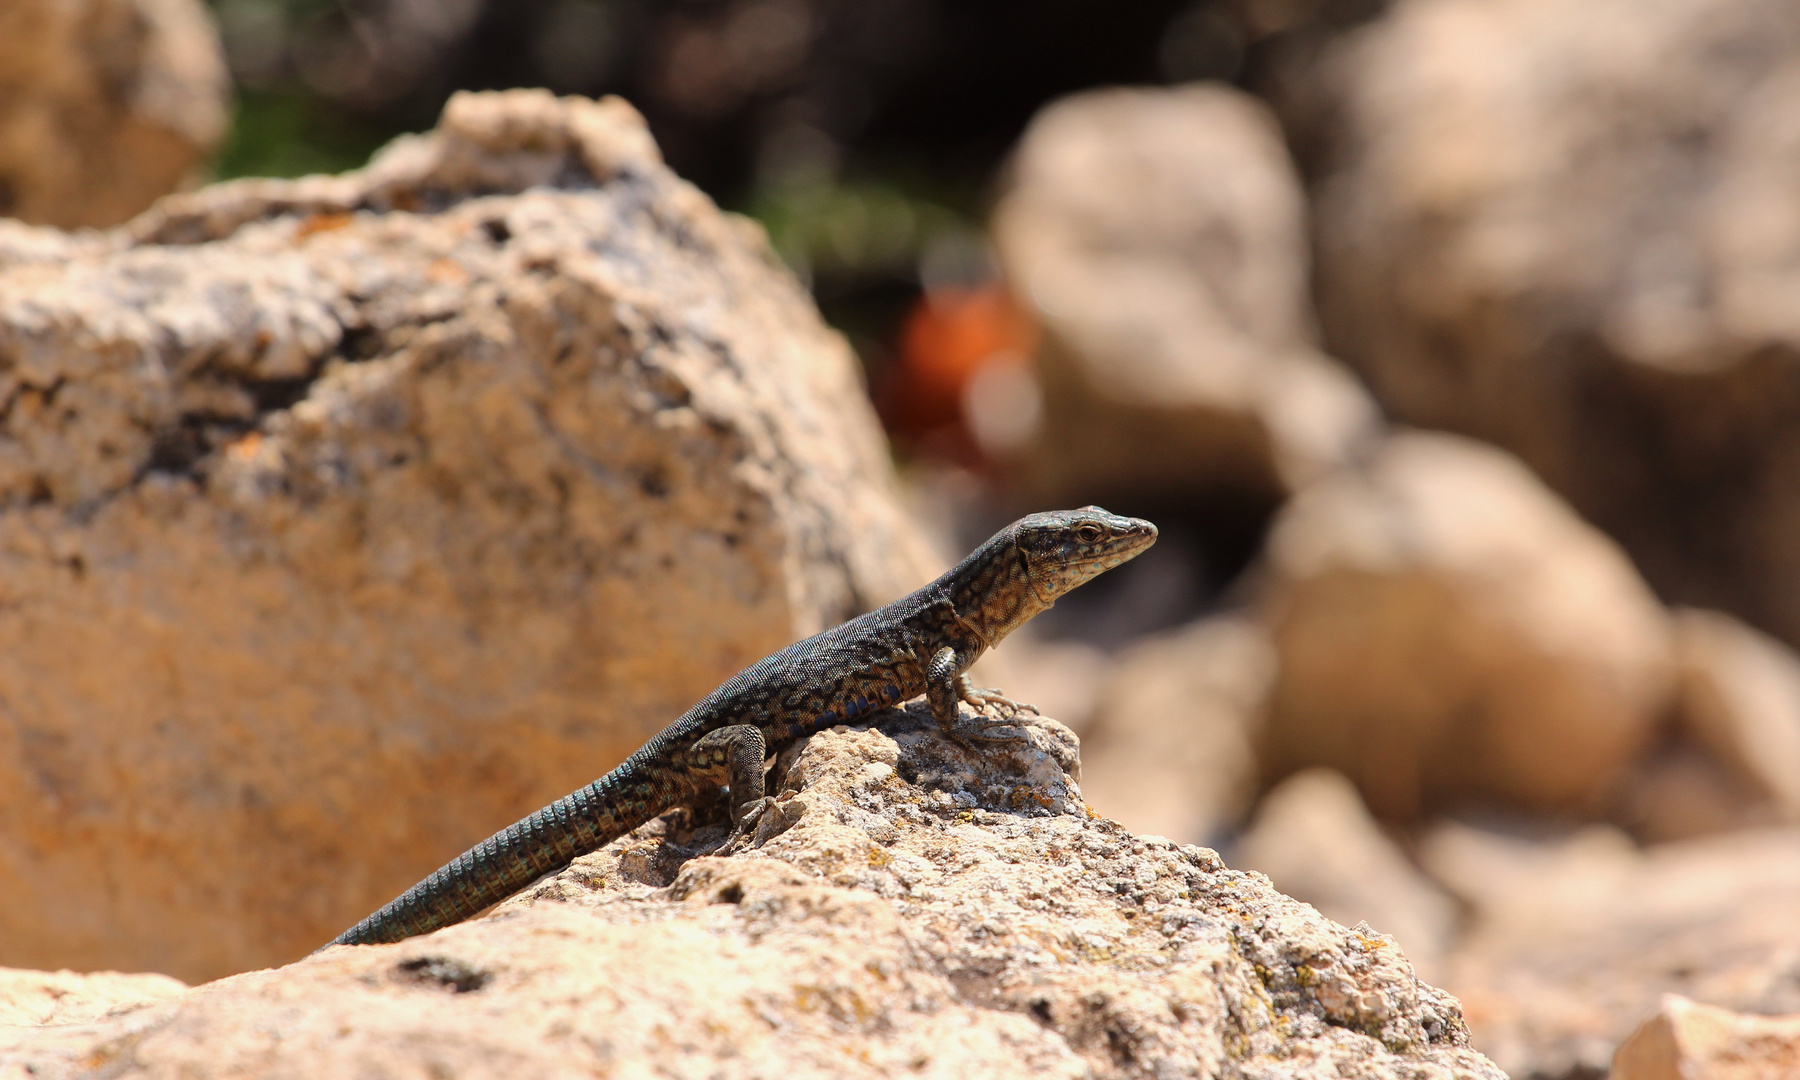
(509, 860)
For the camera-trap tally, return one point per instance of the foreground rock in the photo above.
(904, 910)
(1581, 242)
(105, 105)
(1159, 237)
(1688, 1041)
(1447, 630)
(68, 997)
(1573, 943)
(346, 520)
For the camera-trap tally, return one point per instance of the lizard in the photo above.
(922, 643)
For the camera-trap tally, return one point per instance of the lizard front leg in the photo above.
(979, 697)
(735, 756)
(945, 686)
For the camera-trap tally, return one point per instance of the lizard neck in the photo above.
(992, 589)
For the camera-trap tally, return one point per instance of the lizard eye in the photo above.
(1088, 534)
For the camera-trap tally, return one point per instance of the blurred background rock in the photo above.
(1515, 681)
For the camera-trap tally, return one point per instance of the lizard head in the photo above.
(1061, 549)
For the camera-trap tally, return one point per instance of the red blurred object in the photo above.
(948, 336)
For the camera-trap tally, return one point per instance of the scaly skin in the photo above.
(921, 644)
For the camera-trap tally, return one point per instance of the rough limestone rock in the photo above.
(105, 105)
(1172, 750)
(906, 909)
(1573, 229)
(1689, 1041)
(1572, 942)
(68, 997)
(1447, 630)
(346, 520)
(1316, 841)
(1159, 237)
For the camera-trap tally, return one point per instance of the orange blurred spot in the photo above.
(319, 223)
(947, 337)
(446, 272)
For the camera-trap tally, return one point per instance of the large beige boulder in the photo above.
(1315, 839)
(1572, 942)
(1573, 229)
(344, 521)
(907, 909)
(105, 105)
(1159, 237)
(1447, 630)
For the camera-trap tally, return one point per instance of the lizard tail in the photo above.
(513, 858)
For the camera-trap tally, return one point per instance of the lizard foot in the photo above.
(981, 697)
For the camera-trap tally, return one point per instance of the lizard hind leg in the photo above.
(735, 756)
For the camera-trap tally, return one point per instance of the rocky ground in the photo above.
(905, 909)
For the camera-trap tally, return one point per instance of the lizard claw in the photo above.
(979, 697)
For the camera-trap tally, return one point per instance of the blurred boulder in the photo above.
(1739, 698)
(1316, 841)
(105, 105)
(1171, 751)
(1679, 791)
(1573, 942)
(345, 520)
(1159, 237)
(1573, 230)
(1447, 631)
(1689, 1041)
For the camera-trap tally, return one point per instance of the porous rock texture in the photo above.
(1689, 1041)
(345, 520)
(1572, 942)
(905, 909)
(1159, 237)
(1447, 630)
(105, 105)
(68, 997)
(1572, 229)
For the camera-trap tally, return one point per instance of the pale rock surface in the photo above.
(1572, 942)
(1739, 698)
(105, 105)
(905, 909)
(1573, 229)
(1448, 630)
(1689, 1041)
(1316, 841)
(1172, 750)
(71, 997)
(1159, 237)
(346, 520)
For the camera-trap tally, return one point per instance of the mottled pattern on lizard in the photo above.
(920, 644)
